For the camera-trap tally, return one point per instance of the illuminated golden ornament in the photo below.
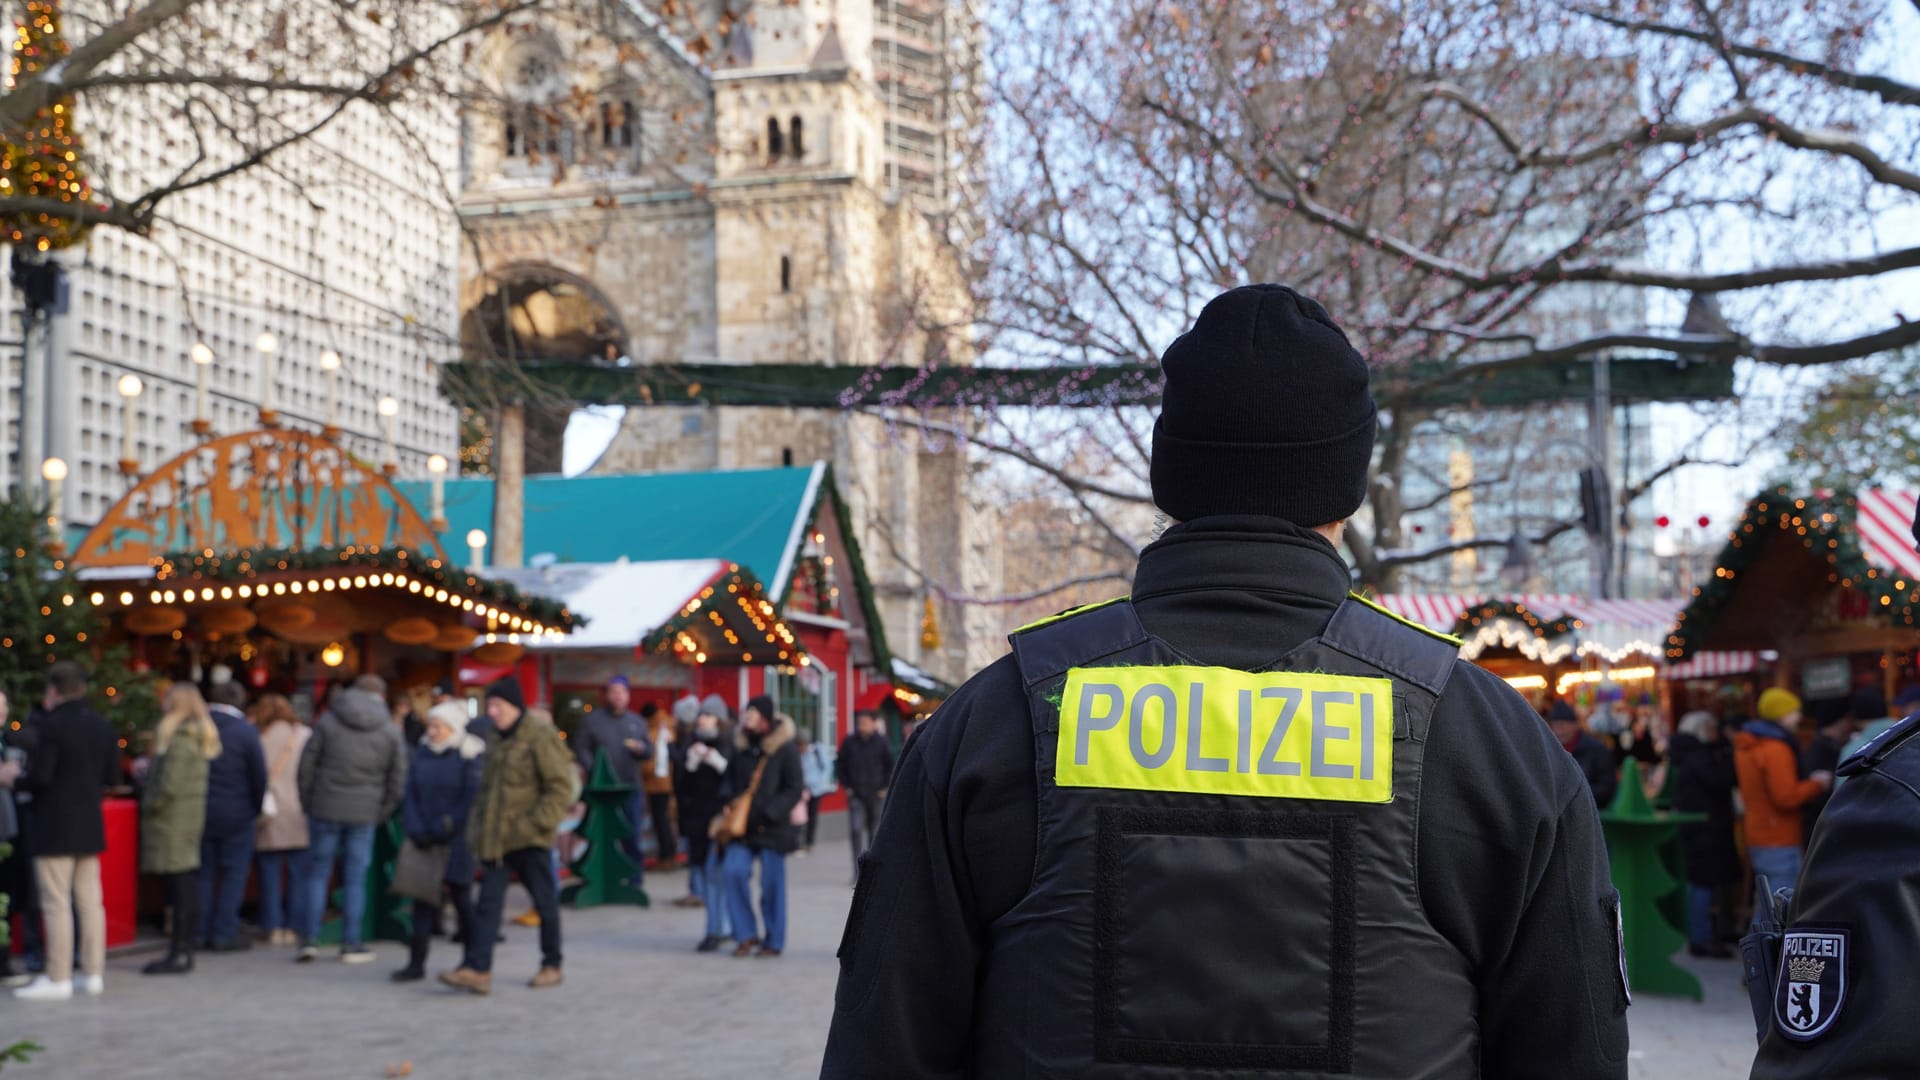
(929, 627)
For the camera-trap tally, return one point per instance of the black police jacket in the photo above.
(1511, 867)
(1847, 982)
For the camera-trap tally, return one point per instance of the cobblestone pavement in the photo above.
(638, 1002)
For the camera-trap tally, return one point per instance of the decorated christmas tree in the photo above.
(605, 869)
(40, 163)
(46, 614)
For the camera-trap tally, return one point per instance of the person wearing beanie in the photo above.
(442, 781)
(615, 731)
(1090, 832)
(1766, 755)
(353, 775)
(526, 788)
(765, 763)
(1595, 760)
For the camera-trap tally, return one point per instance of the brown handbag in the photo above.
(730, 824)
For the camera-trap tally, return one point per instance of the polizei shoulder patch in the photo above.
(1217, 731)
(1812, 984)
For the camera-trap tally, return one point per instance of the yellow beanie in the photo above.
(1776, 703)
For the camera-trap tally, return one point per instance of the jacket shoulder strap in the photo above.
(1408, 651)
(1051, 647)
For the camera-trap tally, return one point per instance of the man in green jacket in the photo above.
(526, 785)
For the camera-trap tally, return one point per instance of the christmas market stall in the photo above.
(278, 555)
(1829, 582)
(732, 583)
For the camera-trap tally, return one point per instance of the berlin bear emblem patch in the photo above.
(1812, 983)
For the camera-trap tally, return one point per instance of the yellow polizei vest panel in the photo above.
(1218, 731)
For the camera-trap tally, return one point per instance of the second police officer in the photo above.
(1238, 824)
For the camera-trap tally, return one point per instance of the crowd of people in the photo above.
(236, 791)
(1756, 780)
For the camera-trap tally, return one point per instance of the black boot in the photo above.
(174, 963)
(410, 973)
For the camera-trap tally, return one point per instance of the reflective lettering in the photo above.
(1196, 716)
(1169, 727)
(1089, 723)
(1270, 763)
(1220, 731)
(1245, 731)
(1323, 731)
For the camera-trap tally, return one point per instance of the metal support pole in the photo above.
(1599, 445)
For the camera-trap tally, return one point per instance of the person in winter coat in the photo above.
(624, 737)
(700, 789)
(764, 737)
(1703, 782)
(1766, 756)
(73, 757)
(865, 768)
(16, 865)
(236, 788)
(280, 839)
(816, 767)
(442, 782)
(353, 773)
(526, 789)
(173, 817)
(656, 780)
(1592, 755)
(1833, 725)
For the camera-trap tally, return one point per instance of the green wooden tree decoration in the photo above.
(606, 868)
(1636, 833)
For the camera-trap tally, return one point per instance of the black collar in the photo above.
(1256, 554)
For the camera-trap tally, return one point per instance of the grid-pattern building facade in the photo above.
(350, 243)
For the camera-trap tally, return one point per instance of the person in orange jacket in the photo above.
(1765, 754)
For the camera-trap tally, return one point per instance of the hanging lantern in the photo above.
(497, 653)
(227, 619)
(413, 630)
(318, 632)
(454, 638)
(282, 615)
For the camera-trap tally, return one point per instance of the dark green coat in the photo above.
(174, 810)
(526, 787)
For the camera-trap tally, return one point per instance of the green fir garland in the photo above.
(1825, 526)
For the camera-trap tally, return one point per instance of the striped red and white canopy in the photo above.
(1613, 623)
(1885, 528)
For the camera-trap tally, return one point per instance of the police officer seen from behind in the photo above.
(1846, 978)
(1239, 825)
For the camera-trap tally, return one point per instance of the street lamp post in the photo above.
(54, 472)
(389, 410)
(129, 387)
(330, 363)
(266, 343)
(476, 548)
(202, 364)
(437, 468)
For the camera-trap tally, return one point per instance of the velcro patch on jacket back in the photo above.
(1220, 731)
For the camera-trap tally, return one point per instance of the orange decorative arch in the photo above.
(259, 490)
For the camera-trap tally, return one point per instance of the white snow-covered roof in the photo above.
(622, 602)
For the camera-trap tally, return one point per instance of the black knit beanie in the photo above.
(507, 689)
(1266, 411)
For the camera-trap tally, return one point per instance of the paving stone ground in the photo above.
(638, 1002)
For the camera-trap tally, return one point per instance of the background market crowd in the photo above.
(1759, 769)
(240, 798)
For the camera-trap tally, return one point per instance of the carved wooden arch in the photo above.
(259, 490)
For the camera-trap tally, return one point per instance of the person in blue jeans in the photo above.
(353, 775)
(280, 837)
(236, 787)
(766, 763)
(699, 787)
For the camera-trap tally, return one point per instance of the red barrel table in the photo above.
(120, 869)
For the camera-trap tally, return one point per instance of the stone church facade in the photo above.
(699, 183)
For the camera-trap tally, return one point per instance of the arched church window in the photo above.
(798, 147)
(773, 137)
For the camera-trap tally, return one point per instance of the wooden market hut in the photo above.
(277, 553)
(1830, 582)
